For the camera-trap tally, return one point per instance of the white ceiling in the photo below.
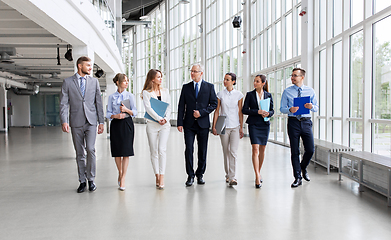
(35, 61)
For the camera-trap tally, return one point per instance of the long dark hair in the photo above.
(148, 81)
(264, 80)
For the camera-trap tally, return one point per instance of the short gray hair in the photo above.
(200, 66)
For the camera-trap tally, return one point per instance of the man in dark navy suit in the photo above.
(198, 99)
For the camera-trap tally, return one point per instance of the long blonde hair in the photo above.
(148, 85)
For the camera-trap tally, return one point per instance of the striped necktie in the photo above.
(298, 95)
(82, 86)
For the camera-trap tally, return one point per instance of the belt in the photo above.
(301, 119)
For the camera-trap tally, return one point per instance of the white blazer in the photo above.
(165, 94)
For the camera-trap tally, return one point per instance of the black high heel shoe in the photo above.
(258, 185)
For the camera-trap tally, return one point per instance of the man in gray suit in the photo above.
(81, 100)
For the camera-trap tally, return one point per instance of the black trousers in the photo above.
(202, 141)
(303, 129)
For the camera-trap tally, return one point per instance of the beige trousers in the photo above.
(230, 144)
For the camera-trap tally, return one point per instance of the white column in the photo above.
(118, 23)
(110, 89)
(3, 109)
(203, 36)
(167, 52)
(307, 43)
(246, 46)
(79, 51)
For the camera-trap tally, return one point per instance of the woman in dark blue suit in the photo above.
(258, 128)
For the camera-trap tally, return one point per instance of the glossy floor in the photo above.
(38, 199)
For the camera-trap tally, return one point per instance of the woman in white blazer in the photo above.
(159, 130)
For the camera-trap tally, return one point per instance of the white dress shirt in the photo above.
(199, 85)
(229, 106)
(259, 99)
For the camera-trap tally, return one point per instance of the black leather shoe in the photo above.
(258, 185)
(82, 187)
(296, 183)
(306, 176)
(200, 180)
(91, 186)
(190, 181)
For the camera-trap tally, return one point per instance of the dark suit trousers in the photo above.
(303, 129)
(202, 141)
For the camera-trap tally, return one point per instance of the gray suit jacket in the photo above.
(81, 109)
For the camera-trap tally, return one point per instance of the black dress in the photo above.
(122, 137)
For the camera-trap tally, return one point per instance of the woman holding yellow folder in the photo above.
(158, 130)
(258, 126)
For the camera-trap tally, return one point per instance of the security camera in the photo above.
(237, 22)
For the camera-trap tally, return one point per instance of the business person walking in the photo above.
(257, 126)
(81, 109)
(121, 126)
(299, 125)
(198, 99)
(230, 102)
(157, 132)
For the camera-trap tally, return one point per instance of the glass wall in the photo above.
(102, 7)
(185, 45)
(150, 46)
(45, 110)
(224, 43)
(275, 45)
(351, 61)
(354, 63)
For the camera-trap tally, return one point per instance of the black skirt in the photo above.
(259, 133)
(122, 137)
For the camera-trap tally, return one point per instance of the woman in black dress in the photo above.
(121, 127)
(258, 126)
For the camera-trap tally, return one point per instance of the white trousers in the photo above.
(230, 144)
(157, 138)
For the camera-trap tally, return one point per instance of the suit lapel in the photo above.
(202, 88)
(76, 81)
(87, 81)
(192, 89)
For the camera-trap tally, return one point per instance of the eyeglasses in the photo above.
(193, 71)
(294, 75)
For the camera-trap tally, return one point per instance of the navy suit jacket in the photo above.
(250, 107)
(205, 103)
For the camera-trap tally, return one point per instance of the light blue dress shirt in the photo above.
(114, 103)
(291, 92)
(78, 79)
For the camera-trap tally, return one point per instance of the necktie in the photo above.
(82, 86)
(196, 90)
(298, 95)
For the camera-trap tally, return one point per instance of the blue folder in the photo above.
(265, 105)
(299, 102)
(159, 107)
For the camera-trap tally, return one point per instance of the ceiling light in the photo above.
(58, 55)
(99, 73)
(143, 16)
(68, 54)
(237, 22)
(184, 1)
